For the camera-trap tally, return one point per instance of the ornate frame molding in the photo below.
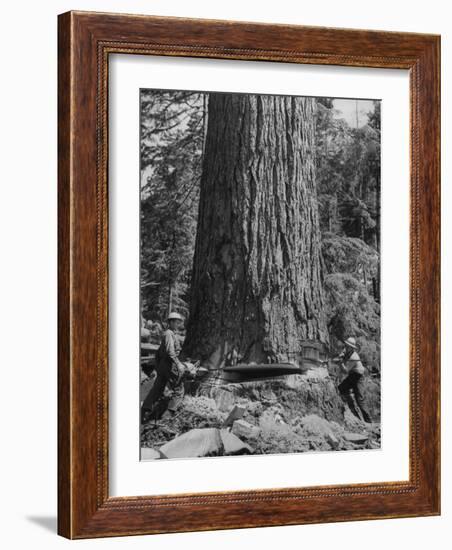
(85, 42)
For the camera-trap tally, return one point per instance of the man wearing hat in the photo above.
(353, 383)
(169, 369)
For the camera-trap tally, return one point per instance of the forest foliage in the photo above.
(173, 127)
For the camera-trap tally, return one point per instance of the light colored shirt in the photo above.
(353, 363)
(170, 348)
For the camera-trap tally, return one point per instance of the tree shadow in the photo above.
(49, 523)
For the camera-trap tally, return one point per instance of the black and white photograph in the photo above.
(226, 251)
(259, 274)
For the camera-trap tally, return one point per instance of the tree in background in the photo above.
(348, 174)
(348, 185)
(171, 150)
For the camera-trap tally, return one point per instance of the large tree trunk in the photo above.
(256, 284)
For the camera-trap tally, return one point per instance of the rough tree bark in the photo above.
(256, 283)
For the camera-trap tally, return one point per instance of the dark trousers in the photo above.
(167, 376)
(353, 383)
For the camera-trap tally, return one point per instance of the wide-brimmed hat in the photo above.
(174, 315)
(351, 342)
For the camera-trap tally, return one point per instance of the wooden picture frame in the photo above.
(85, 42)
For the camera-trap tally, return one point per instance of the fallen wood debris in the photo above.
(151, 454)
(199, 442)
(236, 413)
(242, 428)
(355, 438)
(233, 445)
(194, 443)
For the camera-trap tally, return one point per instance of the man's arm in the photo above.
(344, 368)
(340, 359)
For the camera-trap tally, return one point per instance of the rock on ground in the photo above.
(150, 454)
(355, 438)
(242, 428)
(315, 425)
(293, 414)
(233, 445)
(236, 413)
(195, 443)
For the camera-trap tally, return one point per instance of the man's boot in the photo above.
(146, 415)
